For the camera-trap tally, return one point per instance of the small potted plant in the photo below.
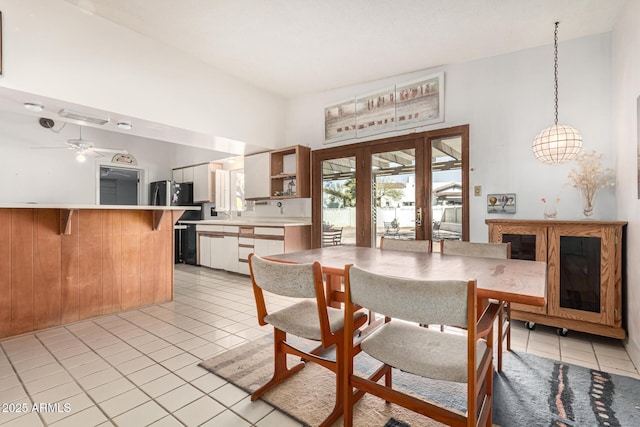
(589, 177)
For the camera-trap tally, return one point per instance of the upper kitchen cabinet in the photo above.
(211, 184)
(185, 174)
(257, 177)
(290, 172)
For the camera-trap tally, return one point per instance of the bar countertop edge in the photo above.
(104, 207)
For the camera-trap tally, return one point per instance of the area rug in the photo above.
(531, 391)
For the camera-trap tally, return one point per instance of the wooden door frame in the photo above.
(362, 152)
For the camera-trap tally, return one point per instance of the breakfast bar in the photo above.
(64, 263)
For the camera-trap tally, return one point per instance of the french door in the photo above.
(408, 187)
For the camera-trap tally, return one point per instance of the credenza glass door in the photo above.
(584, 285)
(527, 243)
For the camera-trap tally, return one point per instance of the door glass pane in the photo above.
(580, 273)
(393, 190)
(236, 178)
(339, 201)
(446, 186)
(523, 246)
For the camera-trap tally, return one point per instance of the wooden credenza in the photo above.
(584, 271)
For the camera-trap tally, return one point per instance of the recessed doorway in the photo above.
(119, 186)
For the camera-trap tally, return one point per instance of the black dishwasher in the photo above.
(185, 239)
(189, 245)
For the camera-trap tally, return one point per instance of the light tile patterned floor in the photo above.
(139, 367)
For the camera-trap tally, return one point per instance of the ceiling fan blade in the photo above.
(79, 144)
(108, 150)
(51, 148)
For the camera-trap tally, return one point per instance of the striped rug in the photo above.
(531, 391)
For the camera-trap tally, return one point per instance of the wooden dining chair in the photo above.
(308, 318)
(486, 250)
(402, 344)
(405, 245)
(401, 245)
(332, 237)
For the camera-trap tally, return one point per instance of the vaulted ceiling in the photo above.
(296, 47)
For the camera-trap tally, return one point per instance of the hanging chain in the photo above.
(555, 70)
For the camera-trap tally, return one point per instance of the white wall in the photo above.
(507, 100)
(53, 49)
(626, 90)
(32, 174)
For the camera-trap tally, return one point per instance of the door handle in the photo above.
(419, 217)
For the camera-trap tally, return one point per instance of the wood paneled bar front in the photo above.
(64, 263)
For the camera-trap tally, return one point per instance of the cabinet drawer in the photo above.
(243, 253)
(218, 228)
(247, 241)
(232, 229)
(269, 231)
(246, 231)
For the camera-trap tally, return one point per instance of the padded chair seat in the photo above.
(406, 346)
(301, 319)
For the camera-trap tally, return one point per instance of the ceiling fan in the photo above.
(83, 147)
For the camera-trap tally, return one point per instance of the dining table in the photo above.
(512, 280)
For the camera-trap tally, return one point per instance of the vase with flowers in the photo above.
(550, 210)
(589, 177)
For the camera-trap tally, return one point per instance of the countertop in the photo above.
(258, 222)
(101, 207)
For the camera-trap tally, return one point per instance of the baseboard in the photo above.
(634, 352)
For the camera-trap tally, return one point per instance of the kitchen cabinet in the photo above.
(291, 172)
(257, 179)
(183, 174)
(211, 184)
(204, 248)
(218, 247)
(228, 253)
(584, 271)
(264, 247)
(265, 241)
(227, 247)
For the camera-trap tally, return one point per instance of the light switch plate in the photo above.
(477, 190)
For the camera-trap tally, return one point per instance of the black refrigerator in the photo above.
(170, 193)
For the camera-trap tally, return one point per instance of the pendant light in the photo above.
(558, 143)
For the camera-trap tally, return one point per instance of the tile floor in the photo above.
(139, 367)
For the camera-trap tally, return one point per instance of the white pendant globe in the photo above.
(557, 144)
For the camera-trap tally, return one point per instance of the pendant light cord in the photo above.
(555, 70)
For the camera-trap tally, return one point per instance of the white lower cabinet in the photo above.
(264, 247)
(228, 247)
(229, 253)
(217, 252)
(204, 246)
(220, 248)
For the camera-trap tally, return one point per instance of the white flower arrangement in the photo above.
(589, 177)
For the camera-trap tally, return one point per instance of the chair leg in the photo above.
(500, 329)
(504, 317)
(338, 409)
(508, 331)
(280, 370)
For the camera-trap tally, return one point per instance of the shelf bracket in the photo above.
(65, 221)
(157, 219)
(159, 215)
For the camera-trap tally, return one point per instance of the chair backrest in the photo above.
(484, 250)
(291, 280)
(405, 245)
(441, 302)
